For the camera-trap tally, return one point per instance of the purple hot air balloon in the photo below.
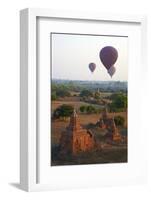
(92, 66)
(111, 71)
(108, 56)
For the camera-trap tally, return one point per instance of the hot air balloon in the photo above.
(111, 71)
(92, 67)
(108, 56)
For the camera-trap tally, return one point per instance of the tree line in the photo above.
(65, 111)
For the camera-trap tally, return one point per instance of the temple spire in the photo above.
(105, 113)
(74, 122)
(74, 113)
(115, 132)
(113, 124)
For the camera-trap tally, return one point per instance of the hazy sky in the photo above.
(71, 55)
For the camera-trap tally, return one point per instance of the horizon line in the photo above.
(88, 80)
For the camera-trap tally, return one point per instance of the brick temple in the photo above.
(76, 139)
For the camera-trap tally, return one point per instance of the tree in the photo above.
(83, 108)
(119, 120)
(53, 96)
(63, 111)
(62, 93)
(86, 93)
(119, 102)
(90, 109)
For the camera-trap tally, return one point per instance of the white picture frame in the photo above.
(29, 83)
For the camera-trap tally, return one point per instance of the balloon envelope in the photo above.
(108, 56)
(92, 67)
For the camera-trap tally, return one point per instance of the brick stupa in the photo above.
(116, 136)
(108, 123)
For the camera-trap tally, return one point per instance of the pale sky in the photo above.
(71, 55)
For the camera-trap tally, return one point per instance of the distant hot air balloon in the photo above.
(92, 66)
(111, 71)
(108, 56)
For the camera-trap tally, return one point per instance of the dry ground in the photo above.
(116, 155)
